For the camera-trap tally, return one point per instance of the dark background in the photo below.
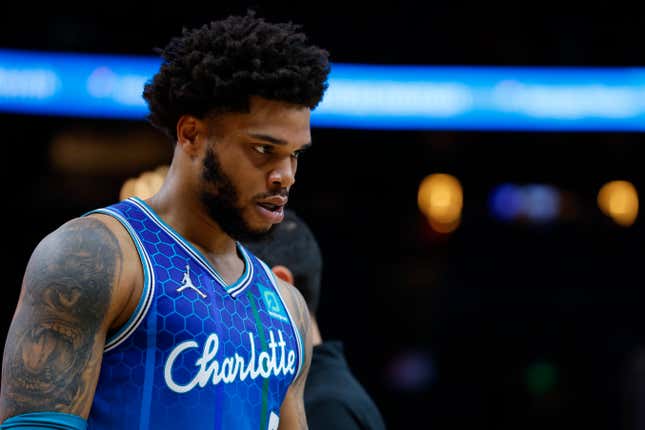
(495, 326)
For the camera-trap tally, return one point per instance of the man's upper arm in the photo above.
(55, 343)
(292, 412)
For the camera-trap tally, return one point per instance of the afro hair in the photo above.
(218, 67)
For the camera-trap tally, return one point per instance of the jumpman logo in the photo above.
(186, 282)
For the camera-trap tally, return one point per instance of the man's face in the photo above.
(250, 164)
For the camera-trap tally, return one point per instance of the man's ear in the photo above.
(283, 273)
(190, 134)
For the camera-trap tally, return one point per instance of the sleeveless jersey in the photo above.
(196, 353)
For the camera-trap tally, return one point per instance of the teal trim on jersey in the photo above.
(263, 342)
(299, 338)
(302, 353)
(148, 379)
(178, 238)
(301, 344)
(233, 289)
(148, 283)
(44, 421)
(236, 288)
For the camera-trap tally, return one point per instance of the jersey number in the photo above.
(274, 420)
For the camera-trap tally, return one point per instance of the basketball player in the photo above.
(151, 314)
(334, 399)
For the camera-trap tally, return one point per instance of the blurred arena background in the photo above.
(504, 292)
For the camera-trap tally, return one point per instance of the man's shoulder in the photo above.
(91, 244)
(89, 231)
(95, 232)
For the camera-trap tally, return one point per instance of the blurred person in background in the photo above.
(151, 314)
(334, 399)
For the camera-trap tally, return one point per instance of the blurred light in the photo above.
(28, 83)
(619, 200)
(570, 101)
(542, 203)
(85, 85)
(444, 227)
(411, 371)
(145, 185)
(354, 96)
(359, 95)
(534, 202)
(91, 152)
(541, 378)
(440, 199)
(506, 202)
(101, 82)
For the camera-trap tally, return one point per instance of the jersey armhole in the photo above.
(148, 284)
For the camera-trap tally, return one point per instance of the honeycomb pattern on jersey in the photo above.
(186, 316)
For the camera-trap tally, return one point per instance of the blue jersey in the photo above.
(196, 353)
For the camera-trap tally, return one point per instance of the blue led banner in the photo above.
(359, 96)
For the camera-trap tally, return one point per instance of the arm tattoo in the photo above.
(54, 347)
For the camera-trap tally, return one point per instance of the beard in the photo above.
(221, 204)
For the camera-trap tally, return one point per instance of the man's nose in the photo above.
(284, 174)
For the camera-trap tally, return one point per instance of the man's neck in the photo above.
(179, 207)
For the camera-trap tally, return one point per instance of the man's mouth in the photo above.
(271, 207)
(273, 204)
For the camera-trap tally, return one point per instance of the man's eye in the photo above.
(297, 154)
(263, 149)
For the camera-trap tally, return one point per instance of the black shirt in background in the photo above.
(334, 399)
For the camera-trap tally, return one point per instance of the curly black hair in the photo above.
(216, 68)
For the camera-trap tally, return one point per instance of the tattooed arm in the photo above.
(292, 412)
(55, 342)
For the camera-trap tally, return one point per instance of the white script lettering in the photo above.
(228, 369)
